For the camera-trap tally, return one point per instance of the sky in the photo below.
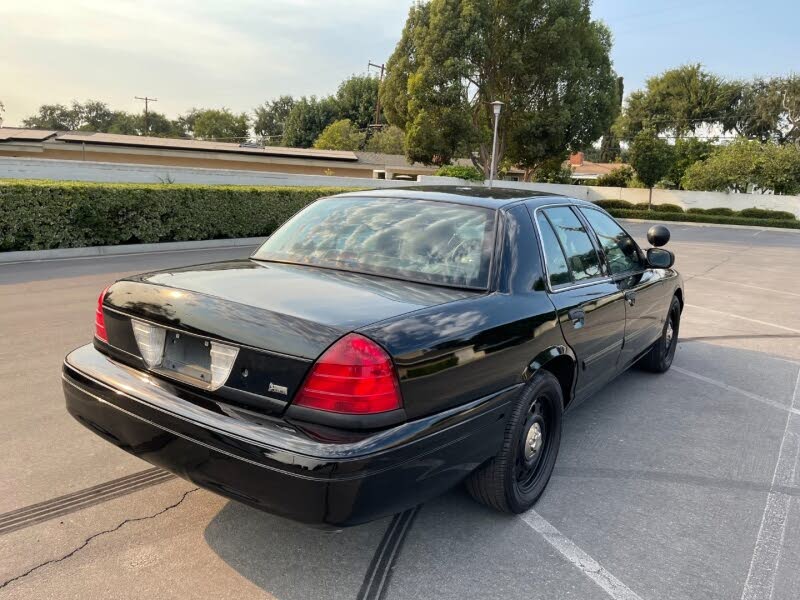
(239, 53)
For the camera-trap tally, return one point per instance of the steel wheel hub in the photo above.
(670, 333)
(533, 441)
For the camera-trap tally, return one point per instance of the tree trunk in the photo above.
(650, 200)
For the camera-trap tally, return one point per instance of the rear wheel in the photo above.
(659, 358)
(514, 479)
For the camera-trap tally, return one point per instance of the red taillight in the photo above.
(99, 319)
(354, 376)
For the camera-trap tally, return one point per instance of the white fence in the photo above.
(68, 170)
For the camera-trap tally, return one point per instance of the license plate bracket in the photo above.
(188, 357)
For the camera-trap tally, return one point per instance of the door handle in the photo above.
(577, 316)
(630, 298)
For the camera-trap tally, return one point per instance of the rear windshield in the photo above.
(418, 240)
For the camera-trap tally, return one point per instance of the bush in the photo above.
(608, 204)
(619, 177)
(698, 211)
(764, 213)
(701, 218)
(468, 173)
(37, 215)
(721, 210)
(671, 208)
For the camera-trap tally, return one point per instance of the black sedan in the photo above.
(378, 349)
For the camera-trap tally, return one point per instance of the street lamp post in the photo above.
(497, 106)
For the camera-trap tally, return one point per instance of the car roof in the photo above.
(496, 197)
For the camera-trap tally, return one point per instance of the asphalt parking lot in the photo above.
(682, 485)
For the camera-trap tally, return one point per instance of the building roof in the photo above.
(201, 145)
(18, 133)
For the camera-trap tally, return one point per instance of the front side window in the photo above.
(418, 240)
(619, 247)
(580, 253)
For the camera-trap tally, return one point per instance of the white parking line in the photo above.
(747, 285)
(569, 550)
(760, 583)
(730, 388)
(727, 314)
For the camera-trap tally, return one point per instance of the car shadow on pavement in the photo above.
(292, 561)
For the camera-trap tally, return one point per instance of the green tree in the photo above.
(126, 123)
(357, 97)
(158, 125)
(766, 110)
(270, 119)
(610, 149)
(217, 124)
(747, 165)
(619, 177)
(461, 172)
(686, 152)
(455, 57)
(680, 100)
(389, 140)
(308, 119)
(651, 157)
(340, 135)
(54, 116)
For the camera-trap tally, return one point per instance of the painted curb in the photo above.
(64, 253)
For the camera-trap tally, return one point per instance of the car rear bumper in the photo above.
(278, 466)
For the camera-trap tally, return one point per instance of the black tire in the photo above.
(514, 479)
(659, 358)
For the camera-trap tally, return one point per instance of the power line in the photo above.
(146, 114)
(382, 67)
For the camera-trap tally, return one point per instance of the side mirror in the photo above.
(658, 258)
(658, 235)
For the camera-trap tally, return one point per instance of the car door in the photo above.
(590, 306)
(646, 304)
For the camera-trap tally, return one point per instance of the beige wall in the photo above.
(275, 165)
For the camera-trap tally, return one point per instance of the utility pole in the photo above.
(146, 106)
(382, 67)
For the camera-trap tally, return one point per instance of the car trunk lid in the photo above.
(279, 318)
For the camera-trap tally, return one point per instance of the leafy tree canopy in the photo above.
(766, 110)
(651, 157)
(746, 164)
(340, 135)
(357, 97)
(216, 124)
(455, 57)
(686, 152)
(461, 172)
(308, 119)
(680, 100)
(619, 177)
(389, 140)
(94, 115)
(270, 119)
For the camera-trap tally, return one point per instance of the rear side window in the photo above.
(557, 269)
(581, 256)
(619, 247)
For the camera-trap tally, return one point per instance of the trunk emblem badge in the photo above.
(278, 389)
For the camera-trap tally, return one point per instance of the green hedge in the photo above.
(747, 216)
(41, 215)
(701, 218)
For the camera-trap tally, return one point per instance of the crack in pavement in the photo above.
(96, 535)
